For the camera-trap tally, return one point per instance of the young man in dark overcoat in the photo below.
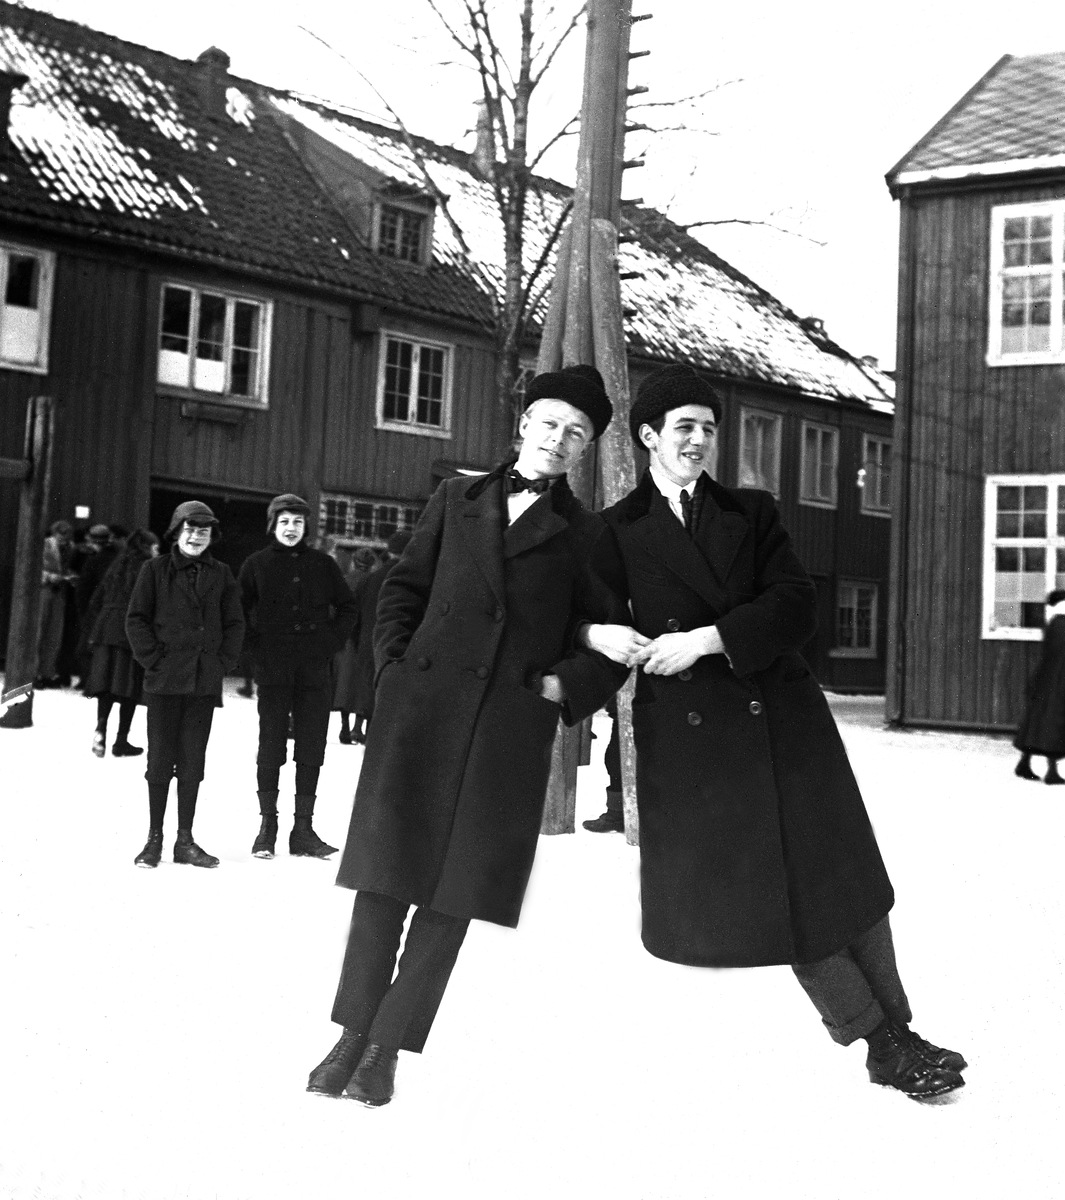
(475, 662)
(185, 627)
(299, 612)
(755, 845)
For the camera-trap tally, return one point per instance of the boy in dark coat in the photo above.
(185, 627)
(755, 845)
(299, 612)
(475, 663)
(1043, 729)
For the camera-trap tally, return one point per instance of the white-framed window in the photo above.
(760, 437)
(26, 277)
(414, 386)
(364, 521)
(216, 342)
(402, 232)
(1024, 552)
(874, 476)
(856, 620)
(819, 462)
(1026, 322)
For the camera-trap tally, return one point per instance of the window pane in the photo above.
(1008, 525)
(246, 325)
(243, 373)
(1034, 558)
(177, 312)
(398, 360)
(23, 274)
(430, 386)
(210, 336)
(1007, 559)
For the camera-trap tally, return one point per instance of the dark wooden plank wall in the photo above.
(961, 421)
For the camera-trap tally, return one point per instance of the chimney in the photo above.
(484, 156)
(871, 360)
(210, 74)
(10, 82)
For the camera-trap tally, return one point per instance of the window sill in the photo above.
(212, 399)
(876, 512)
(223, 414)
(851, 652)
(1025, 634)
(29, 368)
(431, 431)
(1041, 358)
(831, 504)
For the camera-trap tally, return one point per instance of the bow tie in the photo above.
(518, 483)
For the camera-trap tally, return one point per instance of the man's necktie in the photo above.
(518, 483)
(686, 509)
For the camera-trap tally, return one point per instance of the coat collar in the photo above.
(703, 562)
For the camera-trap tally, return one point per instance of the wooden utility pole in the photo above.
(34, 469)
(584, 325)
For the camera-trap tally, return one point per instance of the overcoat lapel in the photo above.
(535, 525)
(481, 519)
(719, 535)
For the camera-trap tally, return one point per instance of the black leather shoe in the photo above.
(374, 1080)
(609, 822)
(186, 851)
(263, 846)
(125, 750)
(1024, 772)
(305, 843)
(937, 1056)
(897, 1064)
(345, 738)
(153, 849)
(331, 1075)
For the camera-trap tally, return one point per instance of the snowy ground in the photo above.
(158, 1026)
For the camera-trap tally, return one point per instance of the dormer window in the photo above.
(403, 233)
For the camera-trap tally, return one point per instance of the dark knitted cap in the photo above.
(668, 388)
(191, 510)
(581, 386)
(99, 533)
(398, 542)
(287, 502)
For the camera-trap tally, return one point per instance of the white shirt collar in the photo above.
(668, 488)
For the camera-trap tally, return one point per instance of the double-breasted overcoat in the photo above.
(755, 844)
(1042, 731)
(185, 624)
(449, 802)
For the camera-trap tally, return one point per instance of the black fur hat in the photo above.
(668, 388)
(581, 386)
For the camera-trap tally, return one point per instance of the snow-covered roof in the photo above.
(1011, 120)
(116, 142)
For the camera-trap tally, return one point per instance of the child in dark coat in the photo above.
(1043, 729)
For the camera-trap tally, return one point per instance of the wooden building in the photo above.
(232, 291)
(979, 462)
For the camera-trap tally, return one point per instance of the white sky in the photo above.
(832, 94)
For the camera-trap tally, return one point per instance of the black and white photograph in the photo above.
(532, 600)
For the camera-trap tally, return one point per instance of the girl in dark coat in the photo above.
(114, 675)
(1043, 729)
(185, 625)
(348, 693)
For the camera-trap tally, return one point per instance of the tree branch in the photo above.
(685, 99)
(575, 20)
(747, 221)
(564, 132)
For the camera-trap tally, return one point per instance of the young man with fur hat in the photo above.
(755, 845)
(299, 612)
(185, 628)
(475, 663)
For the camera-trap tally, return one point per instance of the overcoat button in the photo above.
(482, 672)
(446, 606)
(295, 579)
(694, 719)
(296, 628)
(673, 625)
(756, 708)
(684, 675)
(498, 614)
(422, 664)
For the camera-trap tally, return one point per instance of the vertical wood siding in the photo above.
(968, 421)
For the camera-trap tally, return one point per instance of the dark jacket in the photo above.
(1043, 729)
(185, 624)
(370, 592)
(755, 845)
(451, 794)
(105, 619)
(298, 610)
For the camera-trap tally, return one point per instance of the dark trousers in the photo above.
(858, 986)
(309, 708)
(395, 1012)
(178, 730)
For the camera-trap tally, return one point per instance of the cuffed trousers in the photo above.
(395, 1012)
(857, 987)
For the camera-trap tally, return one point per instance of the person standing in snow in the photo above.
(299, 612)
(755, 846)
(1042, 731)
(475, 663)
(349, 693)
(185, 626)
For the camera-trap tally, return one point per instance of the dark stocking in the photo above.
(1024, 768)
(187, 791)
(157, 793)
(306, 779)
(103, 711)
(1052, 775)
(126, 709)
(267, 777)
(345, 728)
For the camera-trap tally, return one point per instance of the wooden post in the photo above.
(570, 333)
(35, 470)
